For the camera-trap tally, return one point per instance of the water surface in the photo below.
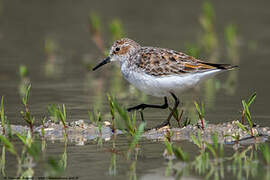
(62, 75)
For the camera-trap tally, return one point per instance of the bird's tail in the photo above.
(221, 66)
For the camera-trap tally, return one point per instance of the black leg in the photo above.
(167, 121)
(143, 106)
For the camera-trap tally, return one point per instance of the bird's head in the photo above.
(120, 51)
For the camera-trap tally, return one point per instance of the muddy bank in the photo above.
(81, 132)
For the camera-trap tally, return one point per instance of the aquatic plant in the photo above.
(33, 148)
(54, 167)
(116, 29)
(246, 113)
(9, 130)
(173, 151)
(178, 116)
(236, 136)
(43, 127)
(57, 166)
(95, 118)
(132, 171)
(136, 138)
(50, 46)
(2, 115)
(23, 71)
(200, 111)
(180, 154)
(4, 121)
(53, 113)
(8, 145)
(112, 110)
(231, 40)
(209, 40)
(95, 29)
(264, 148)
(216, 148)
(198, 141)
(242, 161)
(201, 162)
(193, 50)
(62, 115)
(168, 143)
(24, 80)
(3, 161)
(28, 118)
(127, 124)
(113, 167)
(230, 36)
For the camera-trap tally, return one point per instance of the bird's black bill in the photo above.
(105, 61)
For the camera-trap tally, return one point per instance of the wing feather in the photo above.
(161, 62)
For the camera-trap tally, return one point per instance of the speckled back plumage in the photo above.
(161, 62)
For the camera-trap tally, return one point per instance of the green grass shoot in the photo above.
(8, 145)
(54, 167)
(3, 161)
(207, 17)
(112, 110)
(43, 126)
(95, 22)
(264, 148)
(62, 115)
(216, 149)
(116, 29)
(23, 71)
(53, 113)
(180, 154)
(25, 98)
(137, 136)
(193, 50)
(246, 112)
(33, 147)
(28, 118)
(2, 114)
(198, 141)
(96, 119)
(95, 29)
(230, 35)
(127, 122)
(200, 111)
(169, 147)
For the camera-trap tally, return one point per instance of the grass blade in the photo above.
(247, 113)
(2, 114)
(138, 135)
(180, 154)
(241, 126)
(251, 99)
(8, 145)
(22, 138)
(195, 141)
(266, 153)
(212, 150)
(168, 147)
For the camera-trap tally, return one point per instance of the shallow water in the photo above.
(62, 76)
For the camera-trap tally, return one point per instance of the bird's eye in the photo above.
(117, 49)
